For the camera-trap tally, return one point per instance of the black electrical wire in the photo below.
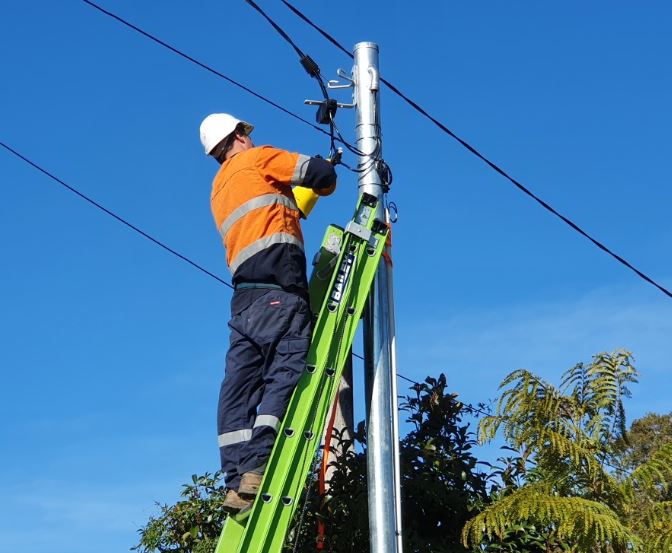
(277, 27)
(491, 164)
(351, 148)
(410, 102)
(318, 29)
(130, 225)
(313, 70)
(414, 382)
(375, 162)
(354, 149)
(142, 232)
(213, 71)
(112, 214)
(203, 65)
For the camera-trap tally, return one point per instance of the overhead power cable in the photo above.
(112, 214)
(288, 112)
(148, 236)
(491, 164)
(202, 65)
(131, 225)
(313, 69)
(318, 29)
(216, 72)
(277, 28)
(413, 104)
(329, 105)
(139, 230)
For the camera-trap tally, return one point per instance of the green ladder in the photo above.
(339, 286)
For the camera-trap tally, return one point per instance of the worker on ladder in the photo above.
(258, 216)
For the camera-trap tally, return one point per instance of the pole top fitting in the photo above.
(371, 45)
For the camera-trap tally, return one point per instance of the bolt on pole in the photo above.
(379, 334)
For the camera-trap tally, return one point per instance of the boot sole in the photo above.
(248, 493)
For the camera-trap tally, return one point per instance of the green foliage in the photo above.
(575, 480)
(441, 485)
(573, 491)
(644, 458)
(192, 525)
(655, 527)
(581, 522)
(655, 473)
(646, 436)
(442, 488)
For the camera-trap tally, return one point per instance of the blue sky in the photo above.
(112, 349)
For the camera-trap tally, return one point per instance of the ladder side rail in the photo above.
(300, 470)
(273, 520)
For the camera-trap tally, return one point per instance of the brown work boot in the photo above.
(249, 484)
(233, 503)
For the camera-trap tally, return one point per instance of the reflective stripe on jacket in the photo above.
(253, 204)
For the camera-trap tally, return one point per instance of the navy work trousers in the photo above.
(269, 341)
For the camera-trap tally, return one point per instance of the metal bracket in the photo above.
(361, 232)
(335, 85)
(320, 102)
(343, 75)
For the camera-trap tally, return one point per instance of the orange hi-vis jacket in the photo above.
(255, 211)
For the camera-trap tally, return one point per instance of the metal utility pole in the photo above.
(379, 333)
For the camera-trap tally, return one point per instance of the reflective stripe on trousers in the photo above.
(239, 436)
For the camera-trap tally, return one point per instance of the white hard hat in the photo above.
(217, 126)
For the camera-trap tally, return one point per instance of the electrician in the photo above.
(257, 214)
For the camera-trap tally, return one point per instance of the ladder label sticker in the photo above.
(342, 277)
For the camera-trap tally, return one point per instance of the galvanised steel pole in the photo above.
(379, 354)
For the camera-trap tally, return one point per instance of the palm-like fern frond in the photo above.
(582, 522)
(655, 528)
(598, 390)
(610, 375)
(652, 519)
(529, 400)
(569, 434)
(559, 449)
(656, 472)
